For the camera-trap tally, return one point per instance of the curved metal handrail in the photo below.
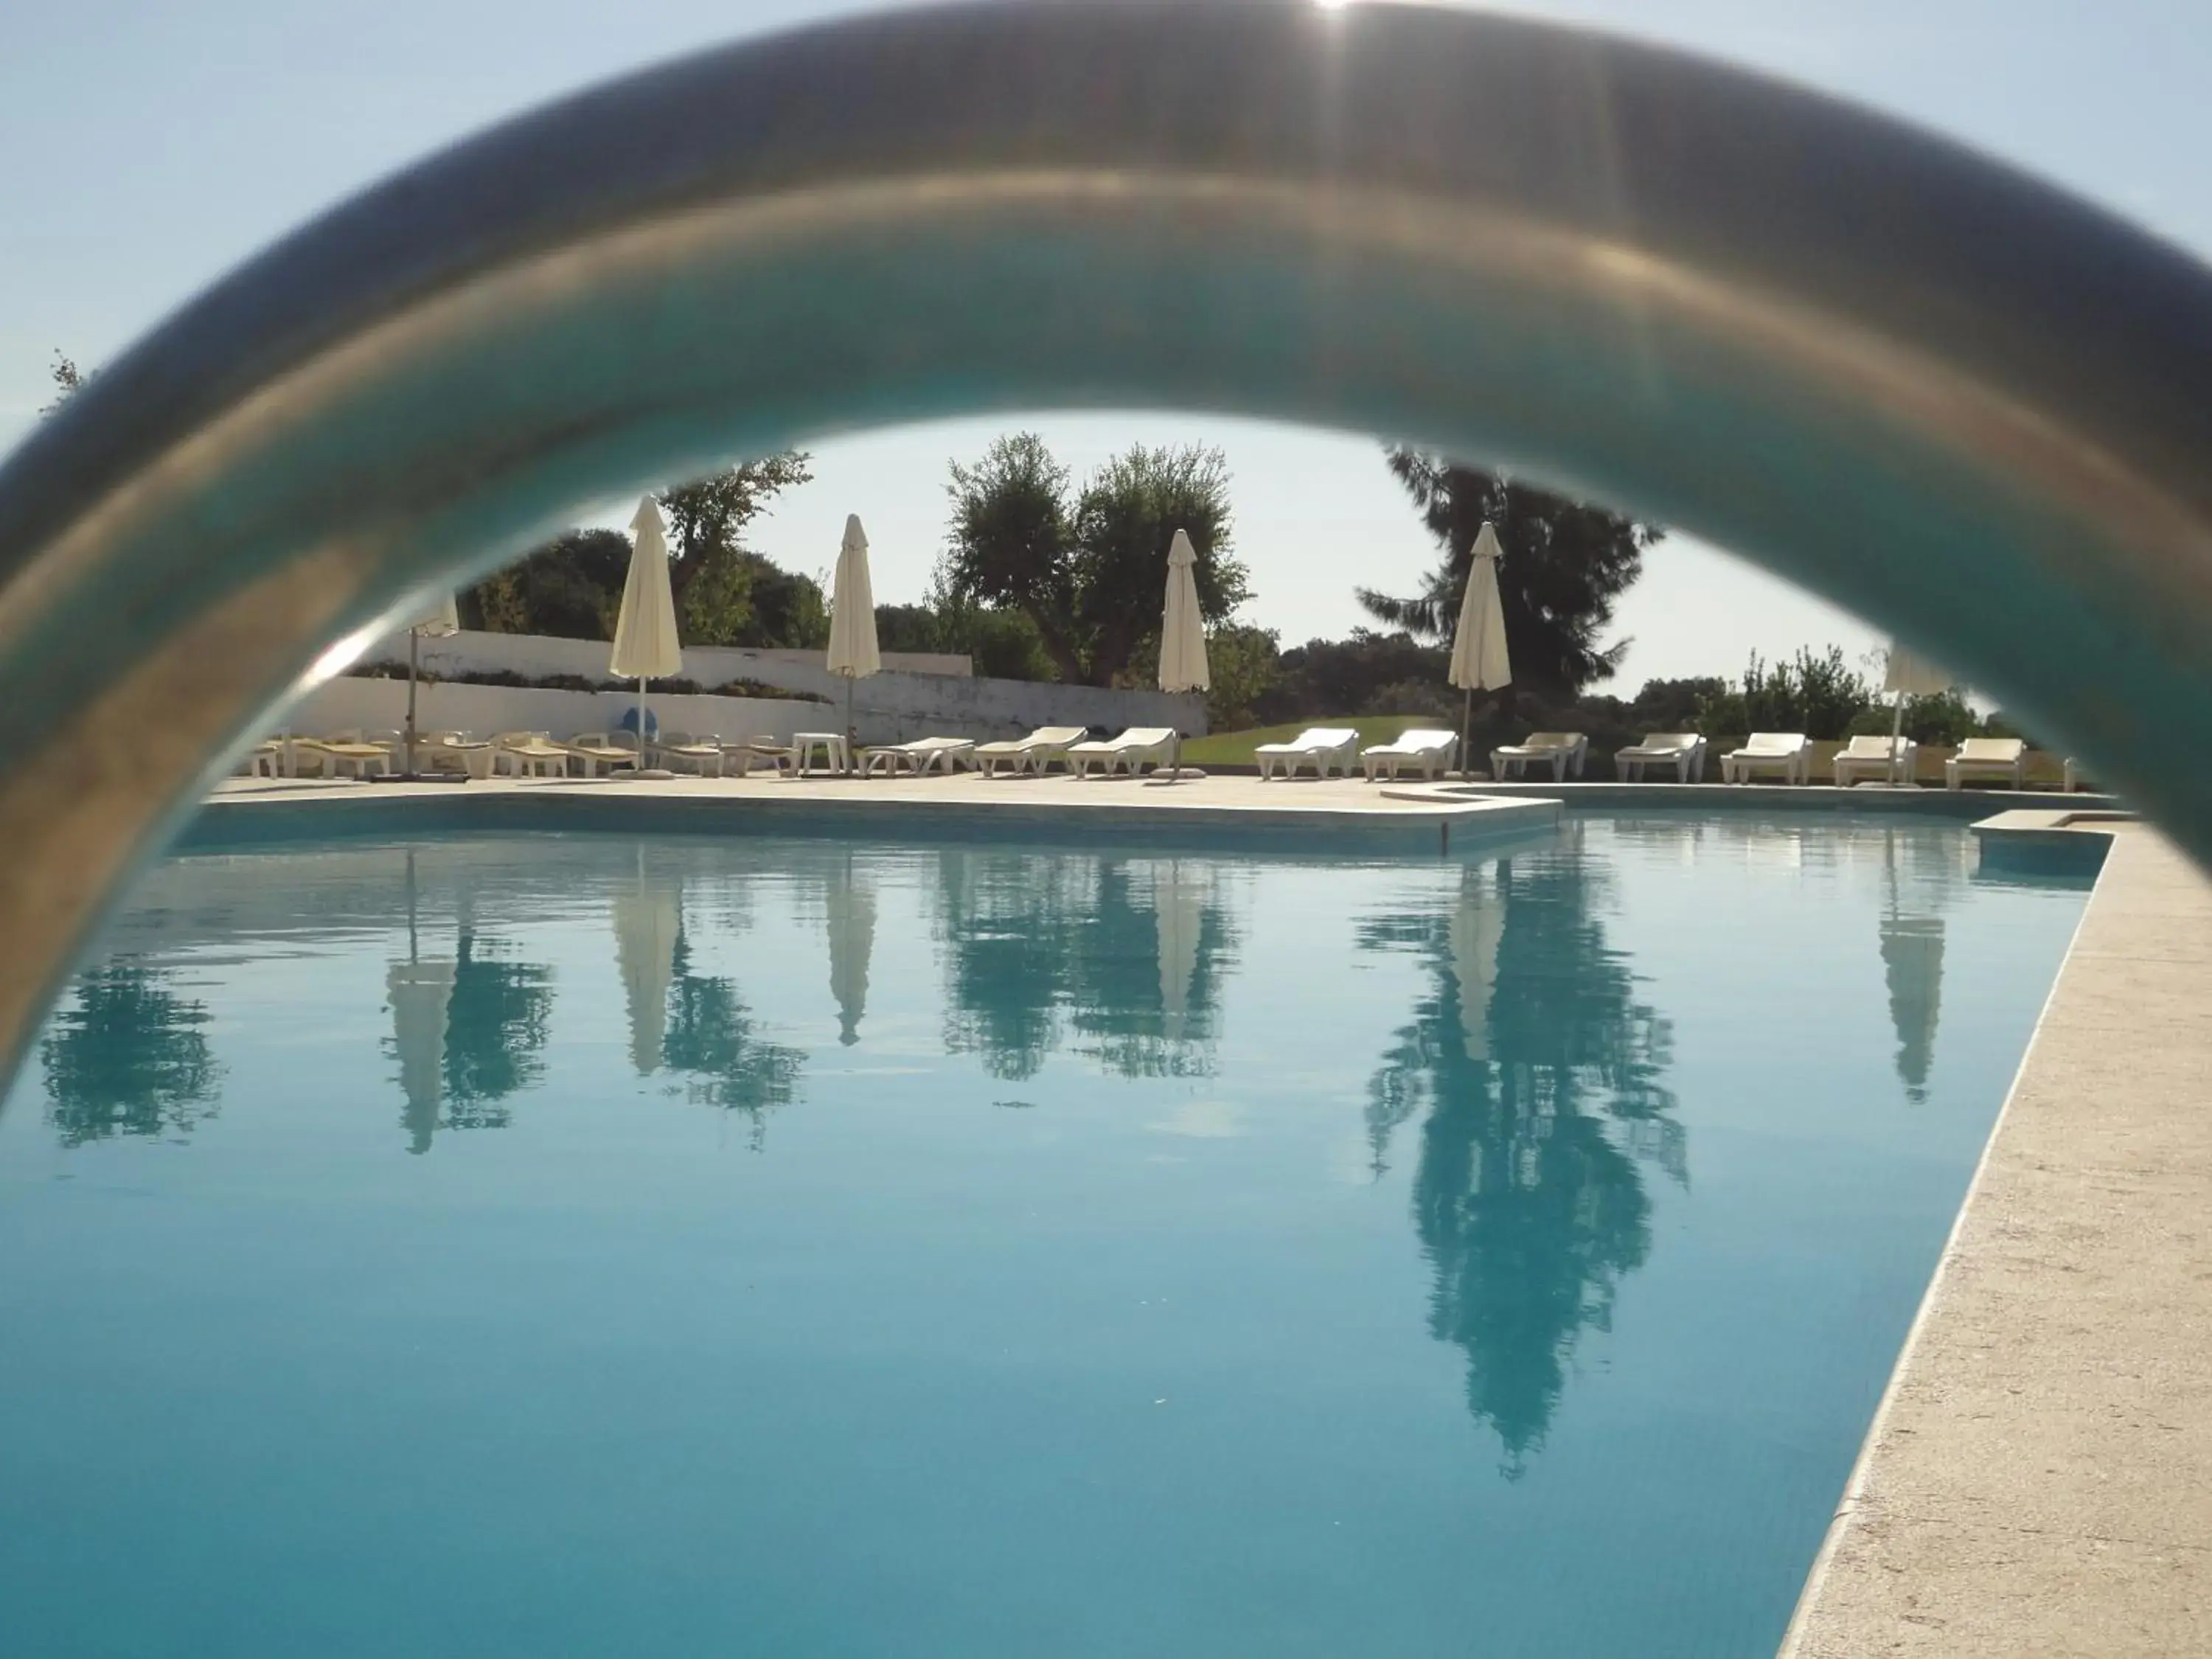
(1943, 392)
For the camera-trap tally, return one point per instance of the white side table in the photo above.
(831, 747)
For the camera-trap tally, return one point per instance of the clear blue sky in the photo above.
(146, 147)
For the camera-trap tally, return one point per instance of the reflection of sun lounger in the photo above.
(2003, 759)
(1873, 756)
(528, 754)
(1786, 752)
(1683, 750)
(1431, 752)
(1127, 752)
(922, 755)
(1318, 746)
(1563, 751)
(1034, 753)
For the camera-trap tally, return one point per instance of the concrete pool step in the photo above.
(2039, 1478)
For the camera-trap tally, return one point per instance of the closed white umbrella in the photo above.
(1182, 632)
(1479, 659)
(646, 644)
(441, 622)
(853, 653)
(1909, 676)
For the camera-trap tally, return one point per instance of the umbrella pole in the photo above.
(640, 723)
(849, 733)
(1467, 737)
(1896, 731)
(414, 656)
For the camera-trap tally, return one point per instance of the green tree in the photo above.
(1245, 665)
(1565, 564)
(69, 380)
(1126, 521)
(1011, 543)
(720, 584)
(1816, 692)
(1089, 573)
(570, 589)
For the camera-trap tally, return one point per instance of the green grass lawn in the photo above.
(1234, 747)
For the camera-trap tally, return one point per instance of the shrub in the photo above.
(1819, 694)
(1941, 720)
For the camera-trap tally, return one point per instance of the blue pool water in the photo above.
(597, 1245)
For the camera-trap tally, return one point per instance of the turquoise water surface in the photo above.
(596, 1245)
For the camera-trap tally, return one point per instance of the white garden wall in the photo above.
(891, 707)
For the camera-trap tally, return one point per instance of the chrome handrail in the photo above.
(1940, 391)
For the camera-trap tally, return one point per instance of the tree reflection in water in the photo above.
(128, 1057)
(1120, 959)
(497, 1023)
(712, 1038)
(1539, 1075)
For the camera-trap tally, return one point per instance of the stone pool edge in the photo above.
(2038, 1477)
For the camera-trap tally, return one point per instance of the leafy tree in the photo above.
(1002, 644)
(718, 580)
(1011, 543)
(69, 380)
(128, 1057)
(1089, 575)
(1365, 674)
(1565, 564)
(1818, 693)
(1942, 719)
(571, 588)
(1125, 523)
(1245, 666)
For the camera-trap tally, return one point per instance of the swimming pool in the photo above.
(522, 1245)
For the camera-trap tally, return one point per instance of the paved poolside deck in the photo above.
(2039, 1478)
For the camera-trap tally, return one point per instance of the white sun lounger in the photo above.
(2000, 758)
(1870, 756)
(1035, 753)
(1128, 752)
(1319, 747)
(599, 753)
(1563, 751)
(683, 749)
(528, 754)
(453, 752)
(922, 755)
(1683, 750)
(1789, 753)
(1430, 752)
(333, 756)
